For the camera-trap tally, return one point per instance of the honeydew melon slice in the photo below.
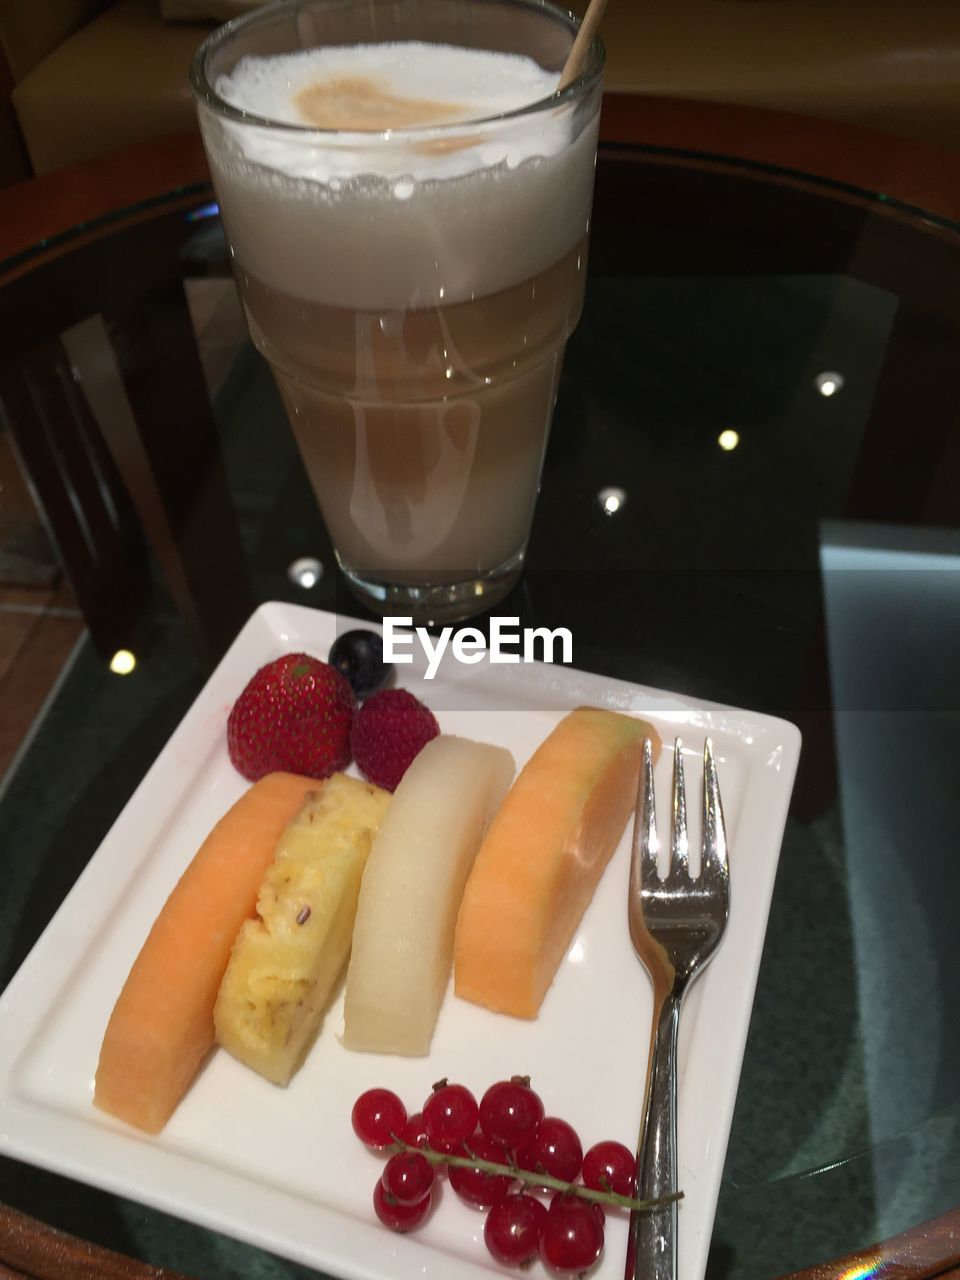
(412, 886)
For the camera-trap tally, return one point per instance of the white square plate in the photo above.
(280, 1168)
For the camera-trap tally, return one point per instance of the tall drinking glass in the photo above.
(411, 258)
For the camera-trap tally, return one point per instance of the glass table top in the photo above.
(749, 496)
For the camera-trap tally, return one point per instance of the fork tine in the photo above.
(643, 865)
(714, 863)
(679, 846)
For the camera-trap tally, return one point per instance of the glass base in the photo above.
(434, 603)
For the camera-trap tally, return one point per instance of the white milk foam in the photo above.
(479, 79)
(372, 219)
(479, 82)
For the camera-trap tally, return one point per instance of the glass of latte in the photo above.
(407, 199)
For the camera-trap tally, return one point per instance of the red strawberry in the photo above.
(295, 714)
(388, 731)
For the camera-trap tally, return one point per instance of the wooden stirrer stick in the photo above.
(577, 56)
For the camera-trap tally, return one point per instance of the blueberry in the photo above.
(359, 656)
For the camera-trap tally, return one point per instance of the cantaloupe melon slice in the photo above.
(421, 857)
(161, 1027)
(542, 858)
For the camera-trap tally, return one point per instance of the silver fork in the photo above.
(676, 925)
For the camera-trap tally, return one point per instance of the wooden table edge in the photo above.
(913, 173)
(929, 1251)
(31, 1250)
(919, 174)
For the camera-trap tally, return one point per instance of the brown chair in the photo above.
(149, 471)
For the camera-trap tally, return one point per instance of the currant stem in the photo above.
(537, 1179)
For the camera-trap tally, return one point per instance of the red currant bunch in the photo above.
(512, 1141)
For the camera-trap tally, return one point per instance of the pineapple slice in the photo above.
(284, 963)
(403, 938)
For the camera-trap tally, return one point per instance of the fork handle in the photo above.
(652, 1251)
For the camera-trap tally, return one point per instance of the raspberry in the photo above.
(388, 731)
(295, 714)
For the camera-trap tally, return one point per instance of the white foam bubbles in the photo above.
(476, 84)
(480, 83)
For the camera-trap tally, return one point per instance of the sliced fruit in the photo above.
(284, 963)
(421, 857)
(542, 859)
(161, 1027)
